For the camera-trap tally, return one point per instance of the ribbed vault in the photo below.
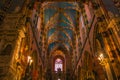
(60, 22)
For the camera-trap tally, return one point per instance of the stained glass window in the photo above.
(58, 64)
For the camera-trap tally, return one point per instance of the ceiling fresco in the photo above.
(60, 20)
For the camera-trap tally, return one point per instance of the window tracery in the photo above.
(58, 65)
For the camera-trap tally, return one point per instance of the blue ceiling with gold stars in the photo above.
(60, 20)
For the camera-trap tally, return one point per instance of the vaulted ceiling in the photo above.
(60, 21)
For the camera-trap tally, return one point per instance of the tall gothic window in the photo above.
(58, 64)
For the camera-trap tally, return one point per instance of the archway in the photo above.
(58, 61)
(58, 65)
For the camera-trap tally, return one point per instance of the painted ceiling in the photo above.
(60, 20)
